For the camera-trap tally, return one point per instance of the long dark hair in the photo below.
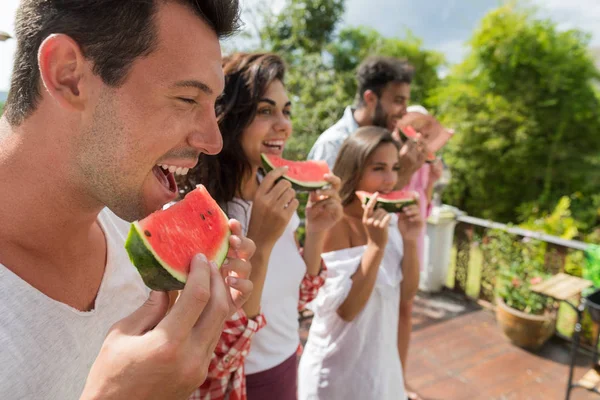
(352, 159)
(247, 77)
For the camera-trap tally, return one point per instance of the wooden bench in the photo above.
(562, 287)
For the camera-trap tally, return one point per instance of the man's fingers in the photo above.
(147, 316)
(192, 301)
(239, 267)
(241, 247)
(210, 323)
(243, 289)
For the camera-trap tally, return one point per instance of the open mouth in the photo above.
(165, 174)
(276, 145)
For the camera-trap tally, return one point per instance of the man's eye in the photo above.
(186, 100)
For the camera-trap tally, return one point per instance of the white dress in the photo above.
(355, 360)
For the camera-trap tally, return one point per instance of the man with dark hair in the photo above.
(381, 100)
(109, 99)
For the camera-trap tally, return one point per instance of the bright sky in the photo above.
(444, 25)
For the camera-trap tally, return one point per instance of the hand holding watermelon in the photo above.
(236, 268)
(424, 127)
(272, 208)
(410, 222)
(376, 222)
(150, 355)
(324, 208)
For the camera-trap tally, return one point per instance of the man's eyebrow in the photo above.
(194, 84)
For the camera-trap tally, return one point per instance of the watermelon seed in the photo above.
(203, 217)
(147, 233)
(209, 213)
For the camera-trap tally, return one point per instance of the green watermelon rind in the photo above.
(155, 272)
(391, 206)
(297, 185)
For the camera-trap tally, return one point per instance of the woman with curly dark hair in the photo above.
(254, 115)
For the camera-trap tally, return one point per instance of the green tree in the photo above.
(527, 115)
(303, 26)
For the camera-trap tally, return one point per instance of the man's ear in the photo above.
(62, 70)
(370, 98)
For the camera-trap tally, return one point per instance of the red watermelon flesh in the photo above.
(304, 175)
(391, 202)
(162, 245)
(408, 132)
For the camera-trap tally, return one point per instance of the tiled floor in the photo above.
(458, 352)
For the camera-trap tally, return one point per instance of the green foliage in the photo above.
(527, 115)
(559, 222)
(303, 26)
(318, 102)
(519, 265)
(592, 265)
(1, 107)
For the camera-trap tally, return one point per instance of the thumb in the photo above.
(147, 316)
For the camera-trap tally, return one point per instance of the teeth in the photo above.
(274, 142)
(174, 169)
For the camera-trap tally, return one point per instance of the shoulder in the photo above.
(338, 237)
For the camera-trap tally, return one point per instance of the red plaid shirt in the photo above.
(226, 377)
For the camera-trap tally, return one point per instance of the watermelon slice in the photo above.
(391, 202)
(305, 176)
(162, 245)
(408, 132)
(438, 136)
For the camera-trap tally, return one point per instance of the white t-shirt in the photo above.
(47, 347)
(279, 339)
(329, 143)
(355, 360)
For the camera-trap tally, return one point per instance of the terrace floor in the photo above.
(458, 352)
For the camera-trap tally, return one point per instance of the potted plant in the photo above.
(526, 318)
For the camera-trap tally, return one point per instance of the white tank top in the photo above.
(279, 339)
(48, 347)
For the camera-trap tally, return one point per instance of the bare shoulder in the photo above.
(338, 237)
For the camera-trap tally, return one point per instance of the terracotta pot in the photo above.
(522, 329)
